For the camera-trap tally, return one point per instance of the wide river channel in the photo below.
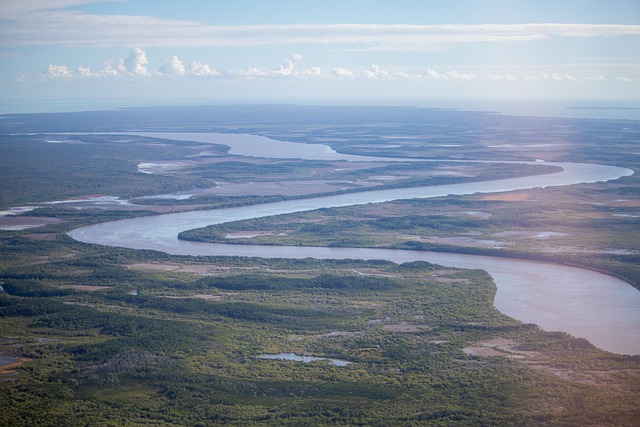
(601, 308)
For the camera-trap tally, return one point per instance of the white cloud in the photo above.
(342, 73)
(173, 67)
(85, 72)
(408, 76)
(252, 72)
(455, 75)
(375, 72)
(199, 69)
(508, 77)
(287, 67)
(311, 73)
(559, 77)
(135, 63)
(58, 71)
(432, 74)
(596, 78)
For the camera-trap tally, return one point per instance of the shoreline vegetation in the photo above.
(483, 225)
(113, 336)
(632, 278)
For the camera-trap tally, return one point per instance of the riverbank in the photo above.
(525, 298)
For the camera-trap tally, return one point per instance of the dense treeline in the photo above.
(324, 281)
(41, 171)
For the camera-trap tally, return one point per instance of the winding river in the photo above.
(603, 309)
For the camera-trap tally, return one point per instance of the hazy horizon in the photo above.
(563, 108)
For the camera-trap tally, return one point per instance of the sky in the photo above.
(318, 51)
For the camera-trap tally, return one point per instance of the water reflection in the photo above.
(305, 359)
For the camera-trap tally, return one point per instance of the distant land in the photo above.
(603, 108)
(598, 109)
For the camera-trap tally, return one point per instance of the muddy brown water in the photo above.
(603, 309)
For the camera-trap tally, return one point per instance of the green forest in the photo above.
(106, 343)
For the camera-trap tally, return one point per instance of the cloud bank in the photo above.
(135, 66)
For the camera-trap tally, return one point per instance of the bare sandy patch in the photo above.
(372, 272)
(47, 259)
(327, 335)
(626, 203)
(198, 269)
(499, 347)
(507, 197)
(288, 188)
(463, 241)
(531, 234)
(8, 369)
(172, 208)
(617, 379)
(403, 327)
(616, 202)
(208, 270)
(16, 223)
(154, 266)
(199, 296)
(251, 234)
(445, 276)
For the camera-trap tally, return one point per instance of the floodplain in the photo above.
(115, 336)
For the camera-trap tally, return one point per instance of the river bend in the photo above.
(601, 308)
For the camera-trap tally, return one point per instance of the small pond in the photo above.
(7, 360)
(306, 359)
